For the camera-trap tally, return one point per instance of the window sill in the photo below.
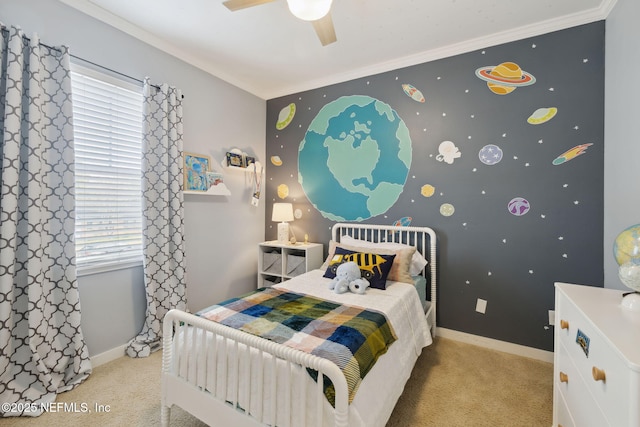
(106, 267)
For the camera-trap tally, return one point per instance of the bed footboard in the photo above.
(228, 377)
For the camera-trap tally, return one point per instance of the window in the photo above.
(107, 119)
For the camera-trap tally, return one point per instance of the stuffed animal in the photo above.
(348, 277)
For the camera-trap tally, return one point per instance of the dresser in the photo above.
(596, 359)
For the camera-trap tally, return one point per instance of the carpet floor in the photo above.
(453, 384)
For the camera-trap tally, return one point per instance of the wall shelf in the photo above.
(215, 190)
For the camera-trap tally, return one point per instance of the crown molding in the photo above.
(484, 42)
(466, 46)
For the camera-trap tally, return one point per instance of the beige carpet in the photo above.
(453, 384)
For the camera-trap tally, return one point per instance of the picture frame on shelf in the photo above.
(196, 167)
(235, 160)
(214, 178)
(249, 160)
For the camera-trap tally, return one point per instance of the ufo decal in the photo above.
(413, 93)
(542, 115)
(286, 116)
(276, 160)
(571, 154)
(504, 78)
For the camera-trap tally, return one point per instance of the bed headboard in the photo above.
(423, 238)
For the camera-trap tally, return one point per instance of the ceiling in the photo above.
(268, 52)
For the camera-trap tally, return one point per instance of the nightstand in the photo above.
(278, 262)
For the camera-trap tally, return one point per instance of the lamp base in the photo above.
(631, 302)
(283, 232)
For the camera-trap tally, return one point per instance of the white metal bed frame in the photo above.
(190, 369)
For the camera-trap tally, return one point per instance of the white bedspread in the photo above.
(383, 385)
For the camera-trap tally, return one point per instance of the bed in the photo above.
(227, 377)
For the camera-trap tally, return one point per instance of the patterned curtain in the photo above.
(42, 349)
(163, 213)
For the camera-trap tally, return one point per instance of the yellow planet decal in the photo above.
(542, 115)
(286, 116)
(447, 209)
(276, 160)
(283, 191)
(427, 190)
(504, 78)
(571, 154)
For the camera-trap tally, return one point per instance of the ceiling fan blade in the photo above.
(324, 29)
(234, 5)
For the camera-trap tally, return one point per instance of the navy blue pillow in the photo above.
(373, 267)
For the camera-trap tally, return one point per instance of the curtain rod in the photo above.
(4, 29)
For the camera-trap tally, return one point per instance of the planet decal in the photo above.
(571, 154)
(518, 206)
(427, 190)
(286, 116)
(447, 209)
(283, 191)
(504, 78)
(542, 115)
(297, 214)
(354, 159)
(403, 222)
(490, 154)
(276, 160)
(413, 93)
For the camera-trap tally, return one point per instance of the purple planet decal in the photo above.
(490, 154)
(518, 206)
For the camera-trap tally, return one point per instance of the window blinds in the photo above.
(107, 119)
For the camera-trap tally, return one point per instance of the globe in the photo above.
(626, 250)
(354, 159)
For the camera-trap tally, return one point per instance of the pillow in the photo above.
(374, 267)
(399, 270)
(418, 262)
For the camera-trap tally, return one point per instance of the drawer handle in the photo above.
(564, 378)
(598, 374)
(564, 324)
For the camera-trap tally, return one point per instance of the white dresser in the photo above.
(596, 359)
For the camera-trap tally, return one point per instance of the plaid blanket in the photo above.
(351, 337)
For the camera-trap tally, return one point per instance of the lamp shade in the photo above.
(282, 212)
(309, 10)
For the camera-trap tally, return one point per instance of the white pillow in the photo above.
(418, 262)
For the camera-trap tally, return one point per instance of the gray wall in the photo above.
(622, 131)
(486, 252)
(222, 233)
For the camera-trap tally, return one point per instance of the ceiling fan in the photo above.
(318, 12)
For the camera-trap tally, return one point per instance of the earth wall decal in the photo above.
(354, 159)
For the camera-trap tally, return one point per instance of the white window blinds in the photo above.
(107, 119)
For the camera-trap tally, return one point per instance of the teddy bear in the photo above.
(348, 278)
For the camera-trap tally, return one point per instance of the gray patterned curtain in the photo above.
(163, 213)
(42, 349)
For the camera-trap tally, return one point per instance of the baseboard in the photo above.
(506, 347)
(108, 356)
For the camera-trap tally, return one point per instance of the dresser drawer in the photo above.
(612, 393)
(563, 416)
(585, 411)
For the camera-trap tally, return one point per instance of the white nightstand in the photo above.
(281, 261)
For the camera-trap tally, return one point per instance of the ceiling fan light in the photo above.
(309, 10)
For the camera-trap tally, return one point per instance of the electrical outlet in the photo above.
(481, 306)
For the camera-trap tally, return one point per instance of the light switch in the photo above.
(552, 317)
(481, 306)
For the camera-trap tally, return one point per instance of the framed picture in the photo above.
(235, 159)
(196, 167)
(214, 178)
(248, 161)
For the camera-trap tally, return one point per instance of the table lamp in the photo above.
(282, 212)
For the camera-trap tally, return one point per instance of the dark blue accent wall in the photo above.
(556, 164)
